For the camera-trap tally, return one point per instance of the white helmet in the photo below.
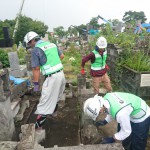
(29, 36)
(92, 106)
(101, 42)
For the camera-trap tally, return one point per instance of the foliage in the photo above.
(72, 30)
(94, 23)
(72, 67)
(115, 22)
(52, 39)
(74, 82)
(21, 55)
(59, 31)
(26, 25)
(132, 16)
(4, 58)
(136, 60)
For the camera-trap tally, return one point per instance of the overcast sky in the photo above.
(64, 13)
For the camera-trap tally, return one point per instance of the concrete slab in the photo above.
(115, 146)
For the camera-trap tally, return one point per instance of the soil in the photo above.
(62, 130)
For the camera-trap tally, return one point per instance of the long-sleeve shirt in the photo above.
(123, 117)
(94, 73)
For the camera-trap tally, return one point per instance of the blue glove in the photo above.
(100, 123)
(36, 86)
(108, 140)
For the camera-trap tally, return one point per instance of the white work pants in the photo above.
(52, 91)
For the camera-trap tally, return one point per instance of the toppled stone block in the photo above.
(114, 146)
(27, 138)
(7, 127)
(39, 136)
(90, 135)
(8, 145)
(23, 107)
(15, 106)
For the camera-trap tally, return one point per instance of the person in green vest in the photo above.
(130, 111)
(46, 58)
(99, 67)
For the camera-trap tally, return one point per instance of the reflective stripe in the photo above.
(97, 68)
(122, 103)
(142, 113)
(119, 100)
(48, 69)
(97, 55)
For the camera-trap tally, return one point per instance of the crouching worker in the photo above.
(131, 113)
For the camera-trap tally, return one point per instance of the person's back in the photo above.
(46, 58)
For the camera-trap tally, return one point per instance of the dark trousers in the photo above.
(138, 138)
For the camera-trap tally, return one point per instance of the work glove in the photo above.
(107, 67)
(36, 86)
(108, 140)
(100, 123)
(82, 71)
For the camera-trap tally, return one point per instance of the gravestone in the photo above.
(15, 69)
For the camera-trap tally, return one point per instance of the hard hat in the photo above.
(29, 36)
(92, 107)
(101, 42)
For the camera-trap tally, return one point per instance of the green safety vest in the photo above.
(119, 100)
(100, 61)
(53, 63)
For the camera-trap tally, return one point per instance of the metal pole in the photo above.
(17, 21)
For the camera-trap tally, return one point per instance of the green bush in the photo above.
(21, 54)
(136, 60)
(4, 58)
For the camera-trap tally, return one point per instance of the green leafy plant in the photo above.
(21, 54)
(4, 58)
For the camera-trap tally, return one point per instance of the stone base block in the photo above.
(19, 73)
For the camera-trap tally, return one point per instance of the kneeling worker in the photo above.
(131, 113)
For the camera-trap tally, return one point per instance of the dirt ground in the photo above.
(62, 130)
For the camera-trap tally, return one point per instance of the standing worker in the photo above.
(47, 58)
(131, 113)
(98, 65)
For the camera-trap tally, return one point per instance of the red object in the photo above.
(82, 71)
(107, 67)
(93, 73)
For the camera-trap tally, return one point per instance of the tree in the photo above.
(26, 25)
(115, 22)
(59, 31)
(133, 17)
(94, 23)
(72, 30)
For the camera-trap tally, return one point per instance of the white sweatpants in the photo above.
(52, 91)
